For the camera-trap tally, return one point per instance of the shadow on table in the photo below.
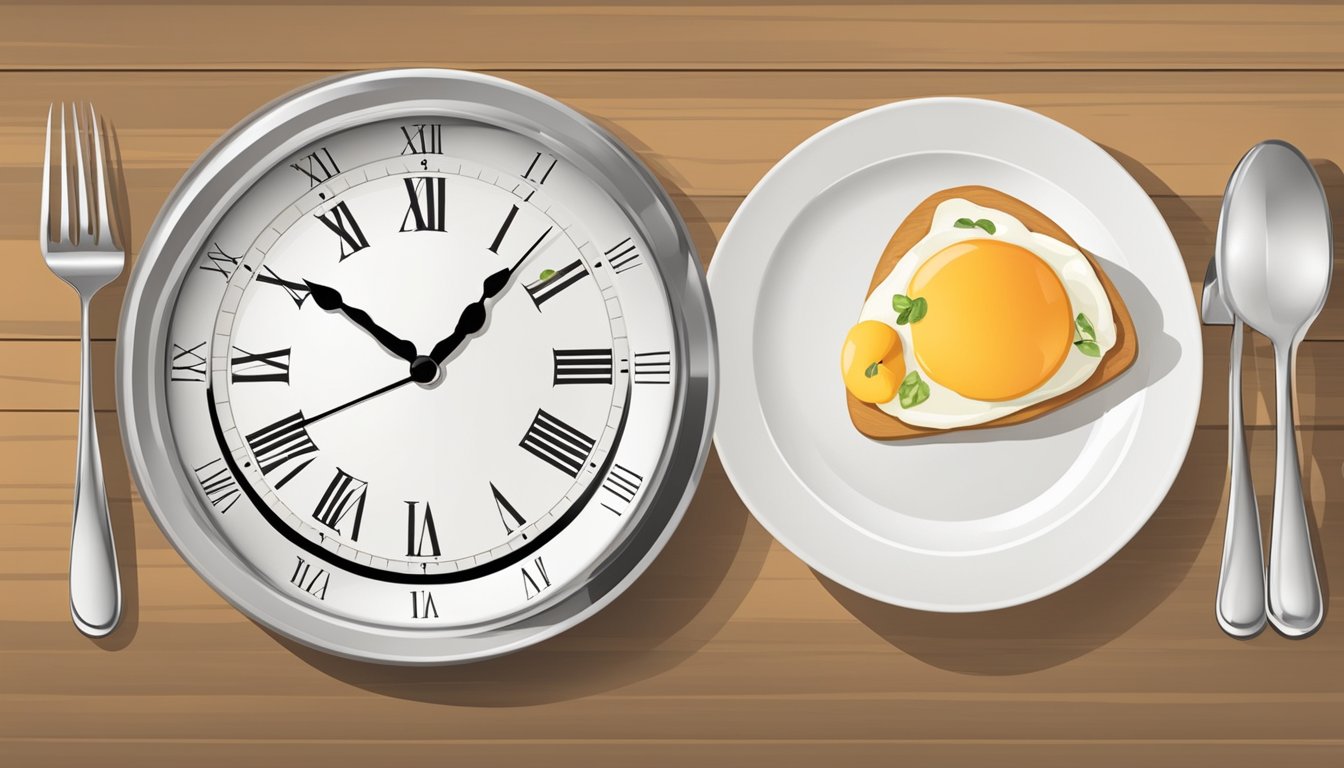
(683, 600)
(105, 312)
(1106, 603)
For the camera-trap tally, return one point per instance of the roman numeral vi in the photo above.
(420, 531)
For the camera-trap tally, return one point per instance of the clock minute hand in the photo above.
(473, 315)
(330, 299)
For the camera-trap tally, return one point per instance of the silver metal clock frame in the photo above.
(228, 169)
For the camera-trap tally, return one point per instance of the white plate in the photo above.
(972, 520)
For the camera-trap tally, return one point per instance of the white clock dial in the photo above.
(417, 366)
(422, 388)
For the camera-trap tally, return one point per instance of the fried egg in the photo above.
(981, 318)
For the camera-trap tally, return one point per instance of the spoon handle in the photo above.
(1241, 582)
(1295, 604)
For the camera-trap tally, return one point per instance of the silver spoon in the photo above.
(1274, 265)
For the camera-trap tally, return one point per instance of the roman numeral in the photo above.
(422, 139)
(427, 204)
(503, 229)
(506, 511)
(219, 261)
(344, 494)
(540, 168)
(311, 579)
(188, 363)
(317, 166)
(219, 485)
(653, 367)
(582, 366)
(342, 222)
(297, 291)
(535, 581)
(556, 443)
(545, 289)
(422, 605)
(623, 256)
(622, 483)
(283, 446)
(420, 531)
(264, 366)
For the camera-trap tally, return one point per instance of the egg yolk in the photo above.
(872, 362)
(999, 322)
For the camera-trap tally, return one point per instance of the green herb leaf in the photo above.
(1085, 328)
(913, 390)
(900, 303)
(904, 317)
(964, 224)
(1089, 348)
(547, 274)
(870, 371)
(918, 309)
(986, 225)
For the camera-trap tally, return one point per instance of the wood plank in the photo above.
(709, 137)
(608, 34)
(37, 375)
(727, 641)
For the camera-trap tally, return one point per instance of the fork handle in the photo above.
(95, 584)
(1241, 582)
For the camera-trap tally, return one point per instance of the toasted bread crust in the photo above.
(879, 425)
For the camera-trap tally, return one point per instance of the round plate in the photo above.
(970, 520)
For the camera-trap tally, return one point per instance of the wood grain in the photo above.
(729, 651)
(699, 35)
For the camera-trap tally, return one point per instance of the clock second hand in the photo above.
(358, 400)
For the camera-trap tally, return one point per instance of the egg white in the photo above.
(945, 408)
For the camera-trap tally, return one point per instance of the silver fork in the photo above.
(1240, 605)
(85, 251)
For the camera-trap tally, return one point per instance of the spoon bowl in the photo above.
(1276, 258)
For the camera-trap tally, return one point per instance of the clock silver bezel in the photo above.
(228, 169)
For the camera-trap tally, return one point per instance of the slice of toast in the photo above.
(879, 425)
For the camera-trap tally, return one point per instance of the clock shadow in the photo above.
(677, 606)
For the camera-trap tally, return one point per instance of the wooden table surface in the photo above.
(729, 651)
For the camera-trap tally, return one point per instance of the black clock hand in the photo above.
(330, 299)
(358, 400)
(473, 315)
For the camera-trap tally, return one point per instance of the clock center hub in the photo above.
(425, 371)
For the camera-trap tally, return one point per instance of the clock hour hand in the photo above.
(330, 299)
(473, 315)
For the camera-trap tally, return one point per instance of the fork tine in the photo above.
(104, 232)
(65, 185)
(45, 216)
(82, 191)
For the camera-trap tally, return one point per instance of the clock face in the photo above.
(419, 372)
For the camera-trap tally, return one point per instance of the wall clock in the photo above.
(417, 366)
